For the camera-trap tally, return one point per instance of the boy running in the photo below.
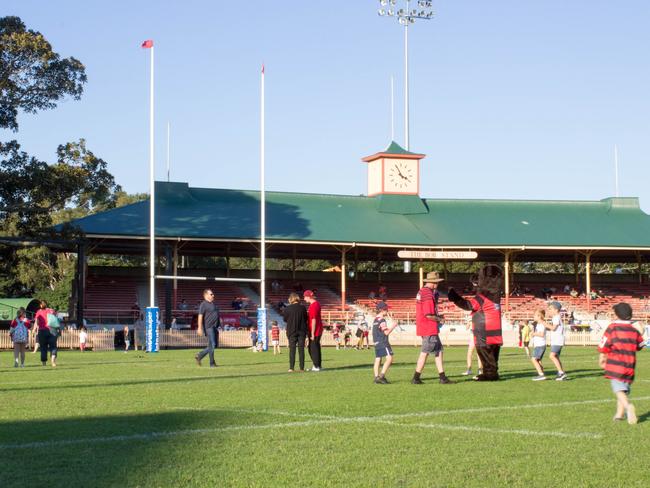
(539, 344)
(618, 349)
(557, 338)
(380, 333)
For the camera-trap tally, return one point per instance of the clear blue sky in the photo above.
(510, 99)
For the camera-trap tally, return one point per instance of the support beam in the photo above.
(343, 279)
(293, 262)
(588, 280)
(228, 260)
(175, 270)
(356, 264)
(168, 286)
(81, 283)
(507, 279)
(576, 270)
(638, 268)
(421, 273)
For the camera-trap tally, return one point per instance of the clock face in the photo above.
(401, 176)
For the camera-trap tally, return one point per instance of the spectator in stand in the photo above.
(428, 320)
(48, 332)
(574, 293)
(209, 321)
(19, 332)
(236, 304)
(275, 337)
(315, 329)
(382, 292)
(617, 350)
(567, 289)
(295, 316)
(183, 305)
(83, 338)
(275, 286)
(372, 295)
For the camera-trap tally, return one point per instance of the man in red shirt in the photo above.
(618, 349)
(427, 326)
(314, 329)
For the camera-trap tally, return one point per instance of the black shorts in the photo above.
(381, 351)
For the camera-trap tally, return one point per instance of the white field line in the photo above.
(491, 430)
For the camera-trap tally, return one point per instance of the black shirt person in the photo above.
(295, 315)
(208, 325)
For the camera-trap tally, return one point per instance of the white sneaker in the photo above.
(315, 369)
(540, 377)
(467, 373)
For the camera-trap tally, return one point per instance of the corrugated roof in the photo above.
(187, 212)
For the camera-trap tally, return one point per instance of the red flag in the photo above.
(147, 44)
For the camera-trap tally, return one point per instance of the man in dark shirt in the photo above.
(208, 323)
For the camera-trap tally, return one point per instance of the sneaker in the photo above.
(417, 381)
(631, 415)
(290, 371)
(467, 373)
(383, 380)
(15, 365)
(618, 418)
(445, 381)
(315, 369)
(561, 377)
(213, 365)
(197, 359)
(540, 377)
(378, 380)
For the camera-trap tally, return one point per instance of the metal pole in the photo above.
(588, 280)
(392, 109)
(152, 195)
(262, 205)
(507, 277)
(168, 166)
(406, 81)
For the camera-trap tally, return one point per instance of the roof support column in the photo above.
(421, 272)
(638, 268)
(168, 286)
(343, 278)
(293, 262)
(81, 283)
(507, 279)
(175, 270)
(356, 264)
(575, 270)
(588, 279)
(228, 260)
(379, 266)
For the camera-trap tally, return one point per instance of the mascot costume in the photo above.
(485, 307)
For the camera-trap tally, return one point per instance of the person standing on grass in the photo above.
(275, 337)
(617, 350)
(525, 337)
(557, 338)
(127, 339)
(48, 332)
(427, 326)
(539, 344)
(380, 333)
(471, 348)
(296, 317)
(315, 329)
(83, 338)
(208, 324)
(254, 338)
(19, 332)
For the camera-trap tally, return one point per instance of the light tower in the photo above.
(406, 16)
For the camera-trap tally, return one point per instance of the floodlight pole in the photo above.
(405, 17)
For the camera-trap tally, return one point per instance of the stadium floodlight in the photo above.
(406, 16)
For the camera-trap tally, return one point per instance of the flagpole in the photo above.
(392, 110)
(152, 193)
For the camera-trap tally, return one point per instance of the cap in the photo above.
(556, 305)
(308, 293)
(623, 311)
(382, 306)
(433, 277)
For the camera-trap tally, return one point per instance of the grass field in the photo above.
(115, 419)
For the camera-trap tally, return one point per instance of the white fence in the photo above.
(186, 339)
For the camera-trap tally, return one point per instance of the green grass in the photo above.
(249, 423)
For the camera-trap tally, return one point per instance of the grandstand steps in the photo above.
(271, 312)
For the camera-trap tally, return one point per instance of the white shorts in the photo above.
(275, 343)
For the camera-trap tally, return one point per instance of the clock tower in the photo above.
(394, 171)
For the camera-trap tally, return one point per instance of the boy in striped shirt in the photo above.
(618, 349)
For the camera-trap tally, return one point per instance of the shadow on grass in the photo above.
(118, 450)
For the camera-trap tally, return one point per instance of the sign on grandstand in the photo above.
(437, 254)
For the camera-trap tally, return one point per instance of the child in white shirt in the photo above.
(539, 344)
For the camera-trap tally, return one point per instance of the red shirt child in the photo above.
(275, 332)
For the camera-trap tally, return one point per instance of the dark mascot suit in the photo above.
(485, 306)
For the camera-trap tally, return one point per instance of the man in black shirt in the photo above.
(208, 323)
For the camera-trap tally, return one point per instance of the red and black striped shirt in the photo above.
(620, 342)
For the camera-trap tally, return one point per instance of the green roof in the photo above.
(187, 212)
(395, 148)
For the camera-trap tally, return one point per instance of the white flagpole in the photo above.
(262, 202)
(616, 167)
(168, 166)
(152, 194)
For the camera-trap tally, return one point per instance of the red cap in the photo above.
(308, 293)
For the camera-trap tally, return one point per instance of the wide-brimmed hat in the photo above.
(433, 277)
